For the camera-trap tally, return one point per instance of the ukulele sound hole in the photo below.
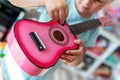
(58, 35)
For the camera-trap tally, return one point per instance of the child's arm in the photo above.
(57, 9)
(27, 3)
(74, 57)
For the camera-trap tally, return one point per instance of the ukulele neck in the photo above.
(85, 26)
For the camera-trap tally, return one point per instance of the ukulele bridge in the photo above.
(38, 42)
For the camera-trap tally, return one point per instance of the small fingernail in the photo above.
(76, 41)
(67, 52)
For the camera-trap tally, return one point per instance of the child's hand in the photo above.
(74, 57)
(58, 9)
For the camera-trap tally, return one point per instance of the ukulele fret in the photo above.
(38, 42)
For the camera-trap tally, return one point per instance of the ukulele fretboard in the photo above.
(85, 26)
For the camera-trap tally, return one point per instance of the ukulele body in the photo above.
(37, 46)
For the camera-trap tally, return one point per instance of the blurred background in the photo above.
(101, 62)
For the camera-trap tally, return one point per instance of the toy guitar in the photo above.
(36, 46)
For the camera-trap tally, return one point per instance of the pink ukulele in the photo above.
(37, 46)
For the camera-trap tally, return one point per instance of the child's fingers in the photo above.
(66, 11)
(67, 58)
(78, 51)
(56, 14)
(73, 52)
(79, 42)
(62, 15)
